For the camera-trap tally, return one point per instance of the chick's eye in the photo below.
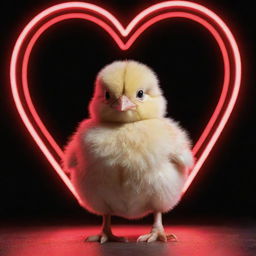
(140, 94)
(107, 95)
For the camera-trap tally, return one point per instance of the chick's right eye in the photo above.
(140, 94)
(107, 95)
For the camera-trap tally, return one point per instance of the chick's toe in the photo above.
(104, 237)
(156, 235)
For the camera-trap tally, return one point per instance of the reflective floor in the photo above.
(68, 241)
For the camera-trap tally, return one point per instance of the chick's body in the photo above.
(126, 169)
(127, 159)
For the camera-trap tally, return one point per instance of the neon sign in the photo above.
(124, 38)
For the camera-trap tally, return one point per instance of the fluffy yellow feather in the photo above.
(127, 159)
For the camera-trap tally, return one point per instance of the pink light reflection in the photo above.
(66, 241)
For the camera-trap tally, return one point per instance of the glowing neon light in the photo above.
(26, 60)
(109, 23)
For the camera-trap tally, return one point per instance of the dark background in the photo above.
(63, 66)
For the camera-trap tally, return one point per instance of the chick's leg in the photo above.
(157, 232)
(106, 233)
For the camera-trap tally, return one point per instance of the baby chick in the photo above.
(127, 159)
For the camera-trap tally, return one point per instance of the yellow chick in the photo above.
(127, 159)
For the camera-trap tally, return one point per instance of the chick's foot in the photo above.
(157, 234)
(106, 237)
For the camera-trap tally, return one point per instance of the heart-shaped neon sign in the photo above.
(124, 38)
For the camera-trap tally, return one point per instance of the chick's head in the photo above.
(127, 91)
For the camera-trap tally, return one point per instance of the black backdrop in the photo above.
(62, 71)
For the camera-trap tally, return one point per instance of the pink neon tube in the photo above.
(110, 26)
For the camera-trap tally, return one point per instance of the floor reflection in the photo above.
(63, 241)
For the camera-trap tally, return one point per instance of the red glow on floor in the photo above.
(136, 27)
(62, 241)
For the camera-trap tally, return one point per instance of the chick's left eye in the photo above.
(140, 94)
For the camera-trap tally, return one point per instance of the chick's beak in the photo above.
(123, 103)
